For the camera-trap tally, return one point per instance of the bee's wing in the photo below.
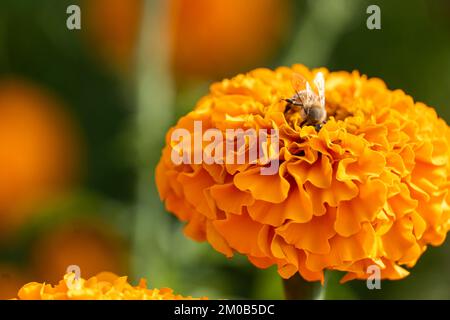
(303, 88)
(309, 94)
(299, 82)
(319, 82)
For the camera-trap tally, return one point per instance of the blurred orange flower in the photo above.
(88, 243)
(370, 188)
(112, 28)
(104, 286)
(209, 38)
(39, 151)
(216, 38)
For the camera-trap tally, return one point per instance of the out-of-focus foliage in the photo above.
(37, 47)
(92, 74)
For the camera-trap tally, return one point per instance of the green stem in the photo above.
(154, 114)
(296, 288)
(320, 29)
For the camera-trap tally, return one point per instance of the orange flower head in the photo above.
(104, 286)
(368, 188)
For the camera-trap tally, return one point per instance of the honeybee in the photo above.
(308, 102)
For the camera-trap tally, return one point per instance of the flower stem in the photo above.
(296, 288)
(154, 114)
(332, 22)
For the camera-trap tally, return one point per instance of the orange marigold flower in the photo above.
(369, 188)
(104, 286)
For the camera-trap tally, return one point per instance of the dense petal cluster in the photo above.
(104, 286)
(370, 188)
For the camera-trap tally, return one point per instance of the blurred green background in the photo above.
(83, 114)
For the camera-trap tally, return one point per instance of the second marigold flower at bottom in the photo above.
(104, 286)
